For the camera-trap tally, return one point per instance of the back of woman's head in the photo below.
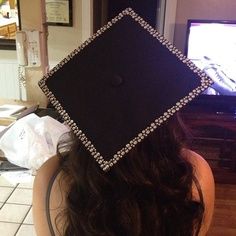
(147, 193)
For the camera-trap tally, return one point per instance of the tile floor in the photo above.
(16, 208)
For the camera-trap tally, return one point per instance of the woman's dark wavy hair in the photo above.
(148, 192)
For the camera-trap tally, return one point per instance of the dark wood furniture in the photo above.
(224, 216)
(214, 137)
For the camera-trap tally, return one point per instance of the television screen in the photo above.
(211, 46)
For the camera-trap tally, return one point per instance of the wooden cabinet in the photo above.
(12, 30)
(214, 137)
(8, 31)
(3, 31)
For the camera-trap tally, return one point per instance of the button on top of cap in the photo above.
(116, 80)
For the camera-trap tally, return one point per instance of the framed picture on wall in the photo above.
(59, 12)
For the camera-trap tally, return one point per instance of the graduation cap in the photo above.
(120, 85)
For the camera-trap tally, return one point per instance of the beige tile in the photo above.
(26, 230)
(5, 183)
(21, 196)
(13, 213)
(5, 192)
(29, 218)
(27, 184)
(8, 229)
(1, 204)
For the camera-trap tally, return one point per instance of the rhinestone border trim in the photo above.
(106, 165)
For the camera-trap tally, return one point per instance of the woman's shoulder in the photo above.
(47, 170)
(201, 168)
(47, 175)
(204, 176)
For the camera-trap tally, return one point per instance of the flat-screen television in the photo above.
(211, 46)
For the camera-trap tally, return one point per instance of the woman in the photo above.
(160, 188)
(131, 174)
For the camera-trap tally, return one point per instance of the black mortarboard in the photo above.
(120, 85)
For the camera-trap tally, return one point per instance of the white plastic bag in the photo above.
(32, 140)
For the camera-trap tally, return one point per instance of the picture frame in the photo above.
(59, 12)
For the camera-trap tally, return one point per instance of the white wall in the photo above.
(8, 79)
(63, 40)
(9, 87)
